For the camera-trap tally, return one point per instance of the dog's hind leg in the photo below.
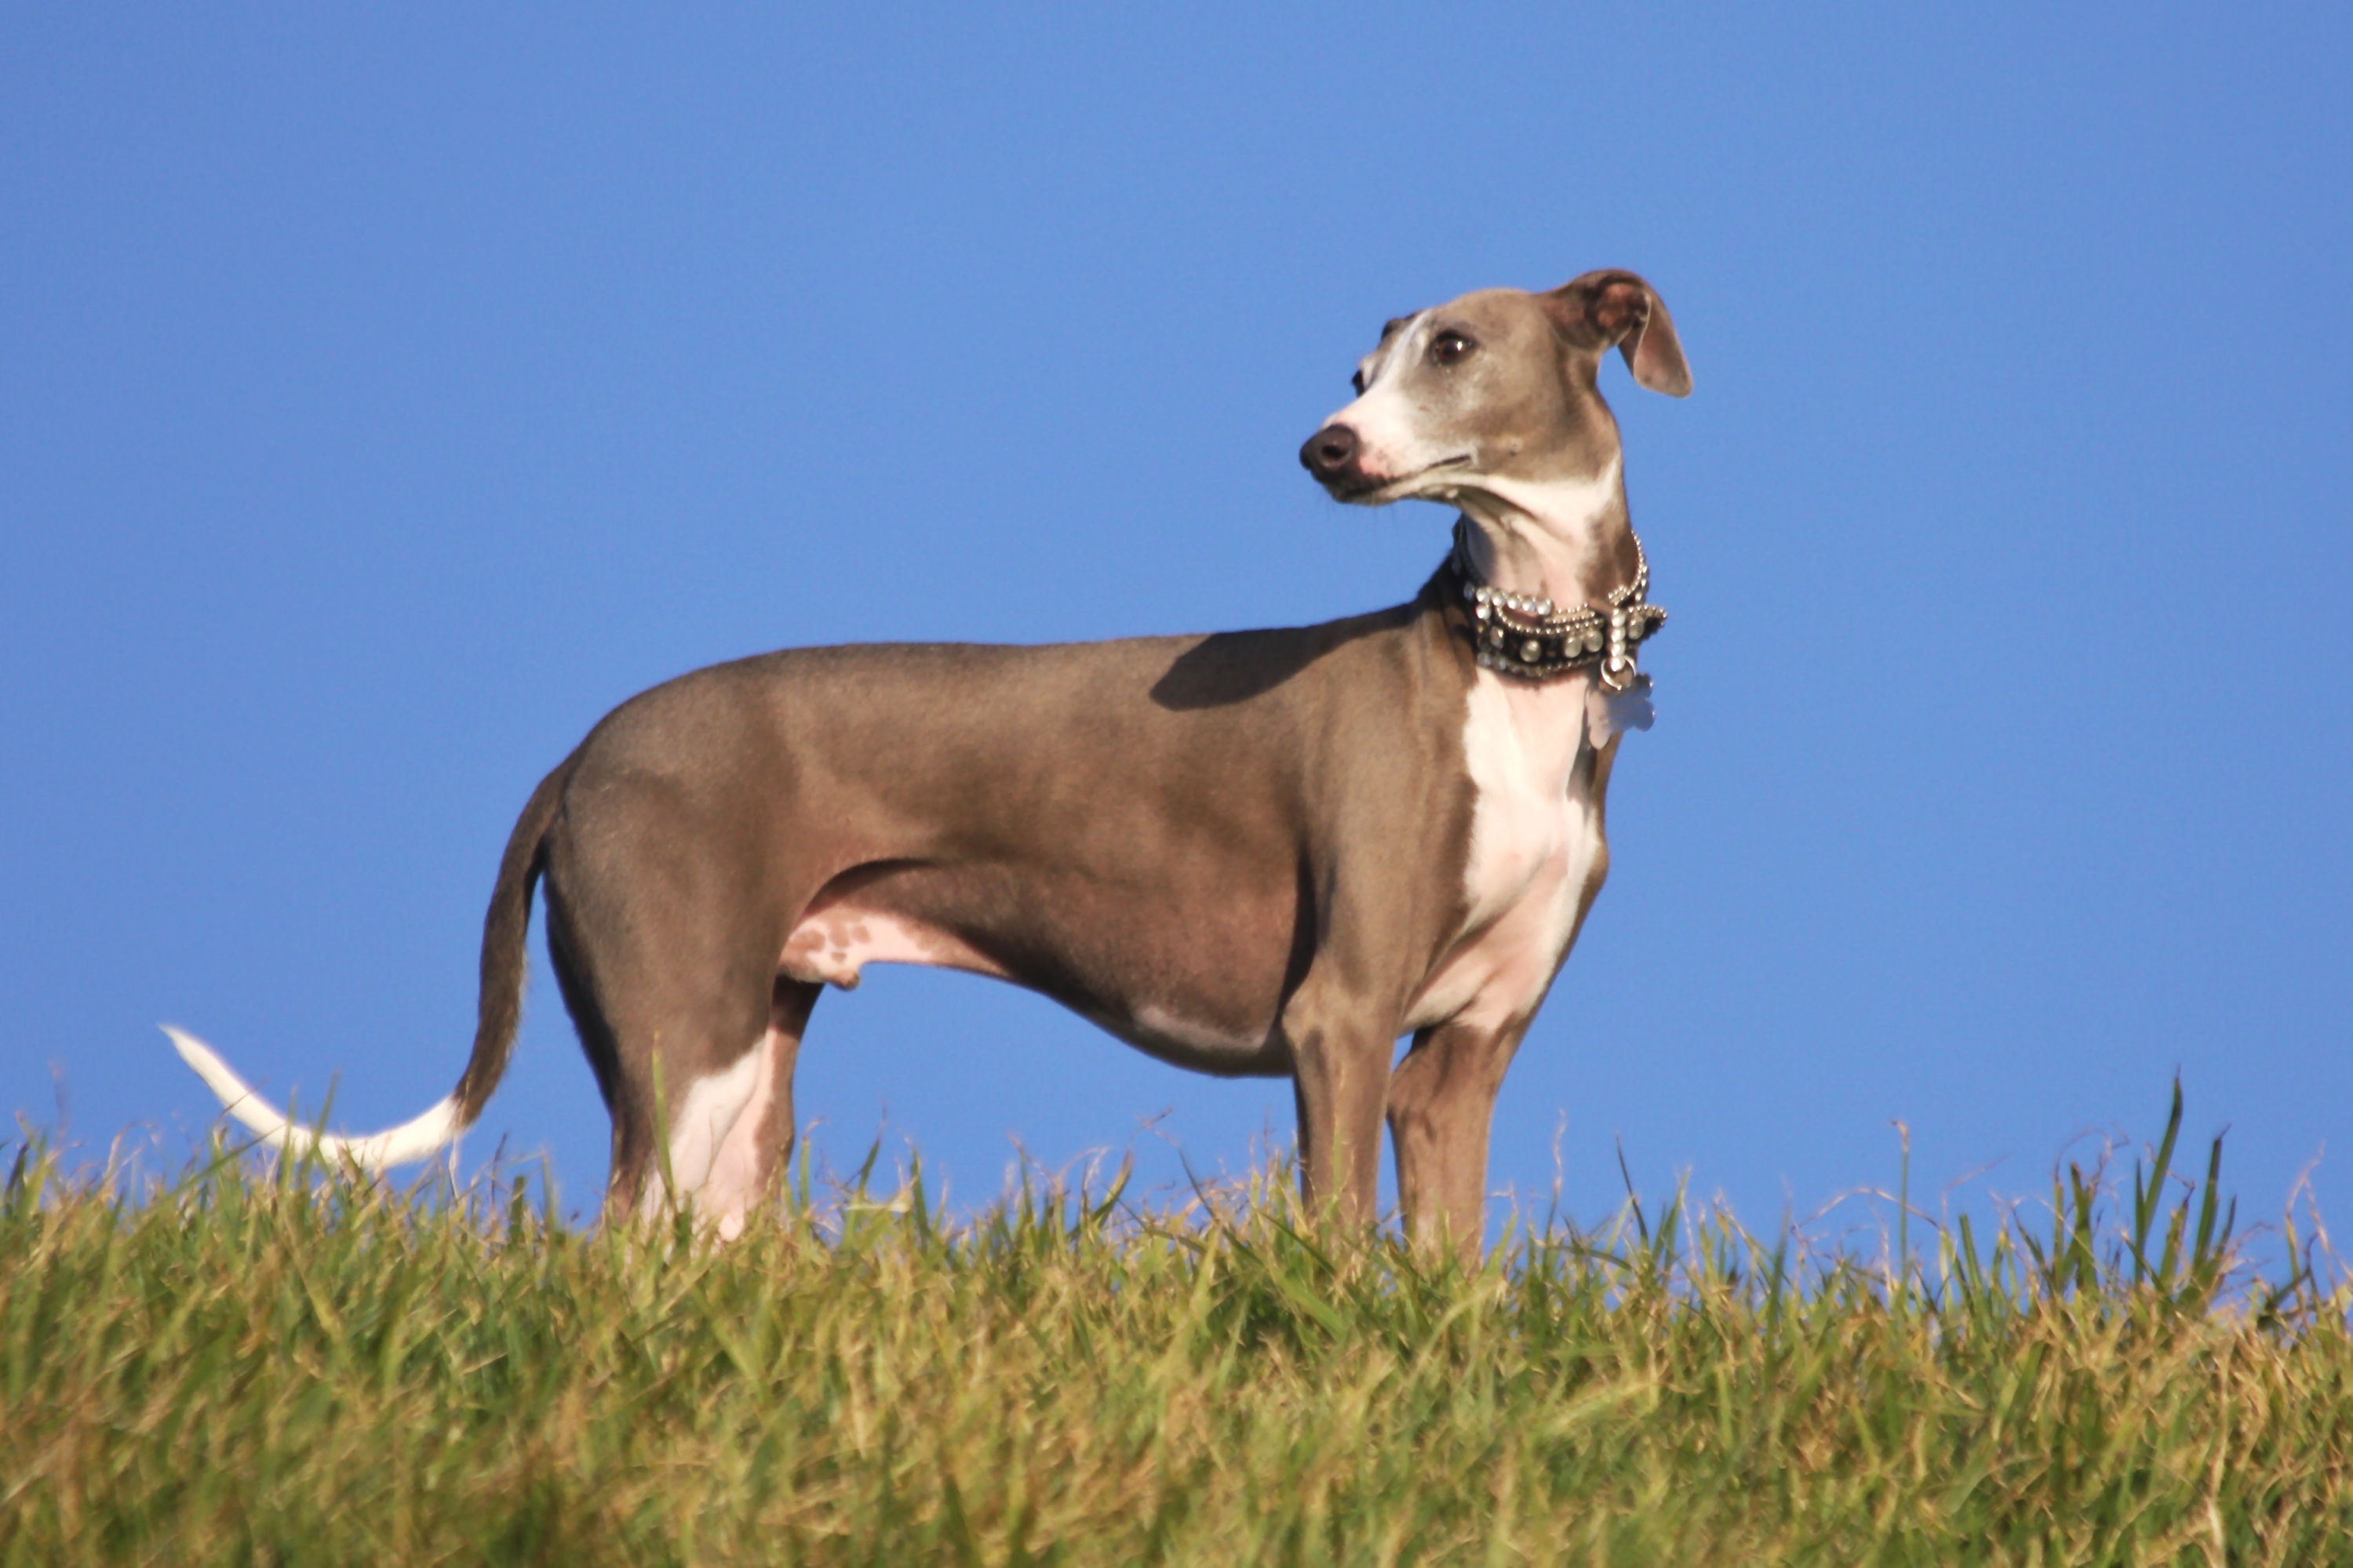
(751, 1156)
(707, 1082)
(689, 1034)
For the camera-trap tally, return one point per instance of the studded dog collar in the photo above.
(1526, 636)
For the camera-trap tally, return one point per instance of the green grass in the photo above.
(271, 1365)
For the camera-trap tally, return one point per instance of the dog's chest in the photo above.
(1536, 835)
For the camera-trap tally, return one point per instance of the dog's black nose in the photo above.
(1329, 452)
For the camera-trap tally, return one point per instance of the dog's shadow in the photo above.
(1234, 666)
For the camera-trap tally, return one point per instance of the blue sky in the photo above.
(385, 395)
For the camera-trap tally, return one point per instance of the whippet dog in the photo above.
(1268, 853)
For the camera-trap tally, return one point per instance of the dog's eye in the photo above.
(1449, 348)
(1357, 381)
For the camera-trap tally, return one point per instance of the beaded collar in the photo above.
(1524, 635)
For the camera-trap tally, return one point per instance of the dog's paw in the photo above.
(1608, 713)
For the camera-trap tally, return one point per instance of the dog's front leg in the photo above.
(1340, 1058)
(1441, 1101)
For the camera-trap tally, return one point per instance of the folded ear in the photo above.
(1613, 306)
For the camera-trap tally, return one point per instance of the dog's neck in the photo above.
(1563, 540)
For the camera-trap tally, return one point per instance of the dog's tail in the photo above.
(505, 961)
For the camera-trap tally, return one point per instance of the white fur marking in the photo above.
(736, 1177)
(429, 1133)
(1535, 832)
(703, 1117)
(1538, 536)
(1534, 838)
(1390, 445)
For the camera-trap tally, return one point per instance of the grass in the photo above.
(278, 1366)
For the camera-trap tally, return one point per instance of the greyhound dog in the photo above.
(1253, 853)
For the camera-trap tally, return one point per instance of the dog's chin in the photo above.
(1425, 483)
(1364, 493)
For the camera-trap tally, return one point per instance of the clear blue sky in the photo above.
(387, 393)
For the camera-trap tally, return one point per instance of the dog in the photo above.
(1266, 853)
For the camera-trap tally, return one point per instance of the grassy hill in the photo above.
(281, 1366)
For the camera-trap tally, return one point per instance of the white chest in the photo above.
(1536, 836)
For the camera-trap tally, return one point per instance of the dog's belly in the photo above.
(1196, 986)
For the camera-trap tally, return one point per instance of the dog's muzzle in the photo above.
(1331, 456)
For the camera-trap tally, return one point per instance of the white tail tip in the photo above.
(411, 1141)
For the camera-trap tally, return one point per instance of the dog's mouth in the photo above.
(1367, 491)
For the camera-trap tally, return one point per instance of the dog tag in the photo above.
(1608, 713)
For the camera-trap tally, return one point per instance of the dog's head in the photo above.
(1496, 388)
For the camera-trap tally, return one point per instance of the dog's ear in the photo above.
(1613, 306)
